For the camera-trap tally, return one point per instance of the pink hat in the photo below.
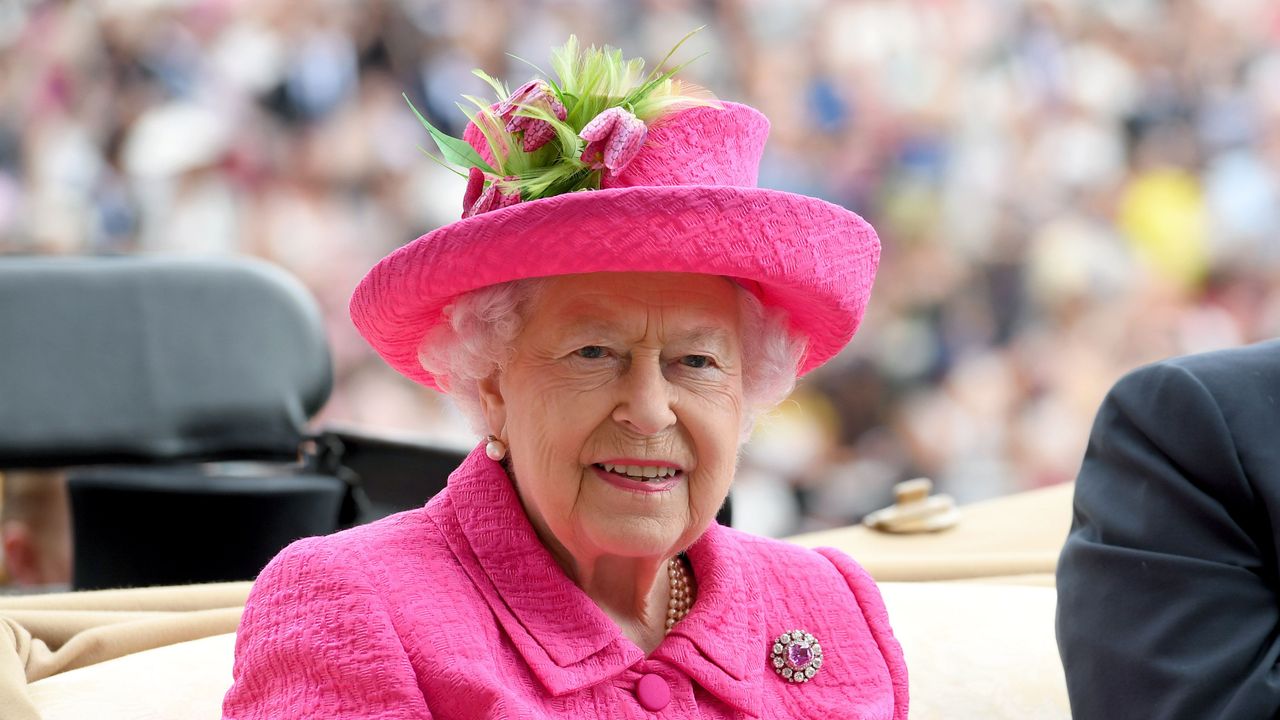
(685, 200)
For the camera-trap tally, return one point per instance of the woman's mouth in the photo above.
(639, 477)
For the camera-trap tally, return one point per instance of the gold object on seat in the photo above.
(1012, 538)
(914, 510)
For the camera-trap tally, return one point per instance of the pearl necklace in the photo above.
(681, 592)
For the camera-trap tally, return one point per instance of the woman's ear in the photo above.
(492, 404)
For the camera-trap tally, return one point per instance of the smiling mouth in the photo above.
(641, 473)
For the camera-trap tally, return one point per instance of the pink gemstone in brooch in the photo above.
(796, 656)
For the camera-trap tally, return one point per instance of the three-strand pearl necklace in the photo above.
(681, 591)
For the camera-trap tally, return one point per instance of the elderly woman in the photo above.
(614, 345)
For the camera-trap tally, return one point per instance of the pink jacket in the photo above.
(456, 610)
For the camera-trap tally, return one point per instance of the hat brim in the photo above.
(813, 259)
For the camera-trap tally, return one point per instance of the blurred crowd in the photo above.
(1065, 189)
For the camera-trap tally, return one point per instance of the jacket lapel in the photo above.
(719, 642)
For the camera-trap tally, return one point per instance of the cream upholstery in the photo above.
(979, 650)
(185, 681)
(981, 646)
(974, 651)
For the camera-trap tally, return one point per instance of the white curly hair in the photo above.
(480, 328)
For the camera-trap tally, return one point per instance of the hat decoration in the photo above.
(556, 136)
(672, 178)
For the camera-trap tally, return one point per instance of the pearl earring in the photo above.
(495, 449)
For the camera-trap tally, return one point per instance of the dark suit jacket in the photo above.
(1168, 600)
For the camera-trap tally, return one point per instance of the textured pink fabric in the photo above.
(686, 203)
(457, 611)
(699, 146)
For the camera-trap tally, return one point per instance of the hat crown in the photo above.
(700, 145)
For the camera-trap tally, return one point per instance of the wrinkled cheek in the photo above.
(707, 492)
(534, 431)
(533, 461)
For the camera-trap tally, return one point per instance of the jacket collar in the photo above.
(569, 642)
(719, 643)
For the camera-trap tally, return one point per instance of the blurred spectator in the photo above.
(35, 529)
(1064, 189)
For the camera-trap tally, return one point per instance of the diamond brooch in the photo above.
(796, 656)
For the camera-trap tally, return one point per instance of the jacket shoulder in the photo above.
(764, 552)
(366, 558)
(1222, 400)
(359, 543)
(1241, 371)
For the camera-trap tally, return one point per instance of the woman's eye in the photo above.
(697, 362)
(591, 352)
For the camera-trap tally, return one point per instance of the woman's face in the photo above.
(622, 407)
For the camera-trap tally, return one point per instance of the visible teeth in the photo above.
(640, 472)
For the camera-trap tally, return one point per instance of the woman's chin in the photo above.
(634, 536)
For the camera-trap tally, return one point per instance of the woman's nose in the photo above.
(646, 403)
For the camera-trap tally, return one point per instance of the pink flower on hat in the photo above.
(537, 132)
(475, 185)
(613, 139)
(493, 197)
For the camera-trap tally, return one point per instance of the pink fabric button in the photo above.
(653, 692)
